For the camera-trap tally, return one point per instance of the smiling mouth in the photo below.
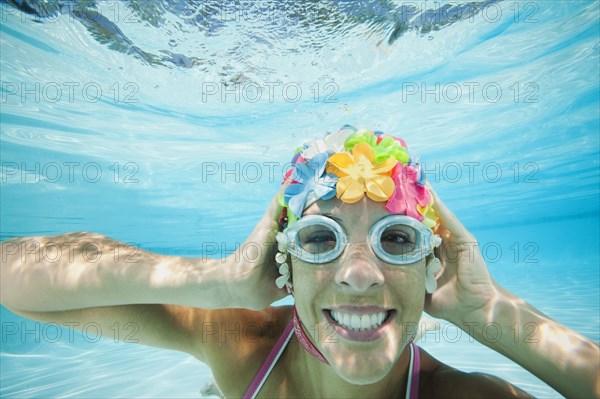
(363, 326)
(359, 322)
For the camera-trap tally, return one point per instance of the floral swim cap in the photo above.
(351, 163)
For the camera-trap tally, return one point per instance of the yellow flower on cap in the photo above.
(358, 173)
(430, 218)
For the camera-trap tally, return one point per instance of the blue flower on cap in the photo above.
(313, 184)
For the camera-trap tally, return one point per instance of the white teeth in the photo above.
(374, 319)
(346, 319)
(365, 321)
(356, 322)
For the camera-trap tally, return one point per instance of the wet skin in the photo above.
(358, 282)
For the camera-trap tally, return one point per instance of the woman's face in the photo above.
(358, 287)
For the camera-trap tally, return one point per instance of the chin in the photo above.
(361, 367)
(363, 374)
(366, 356)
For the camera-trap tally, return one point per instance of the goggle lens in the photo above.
(317, 239)
(399, 239)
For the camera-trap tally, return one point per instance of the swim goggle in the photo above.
(395, 239)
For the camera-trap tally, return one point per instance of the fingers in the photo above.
(270, 219)
(448, 218)
(275, 208)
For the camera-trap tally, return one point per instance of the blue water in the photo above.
(172, 132)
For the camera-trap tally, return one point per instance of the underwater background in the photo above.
(168, 124)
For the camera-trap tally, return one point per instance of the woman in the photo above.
(362, 243)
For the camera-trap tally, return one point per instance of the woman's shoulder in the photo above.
(223, 328)
(232, 342)
(235, 342)
(439, 380)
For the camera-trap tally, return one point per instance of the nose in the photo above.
(358, 269)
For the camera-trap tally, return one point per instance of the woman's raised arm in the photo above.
(468, 297)
(82, 270)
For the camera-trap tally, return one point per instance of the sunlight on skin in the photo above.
(168, 273)
(62, 252)
(91, 267)
(553, 339)
(556, 349)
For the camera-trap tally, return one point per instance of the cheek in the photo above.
(309, 280)
(310, 285)
(408, 288)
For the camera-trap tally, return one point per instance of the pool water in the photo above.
(168, 125)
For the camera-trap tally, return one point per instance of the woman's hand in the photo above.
(468, 297)
(464, 284)
(252, 268)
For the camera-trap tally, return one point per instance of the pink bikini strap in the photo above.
(269, 363)
(412, 390)
(305, 341)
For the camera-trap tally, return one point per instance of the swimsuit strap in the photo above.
(412, 388)
(269, 363)
(304, 340)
